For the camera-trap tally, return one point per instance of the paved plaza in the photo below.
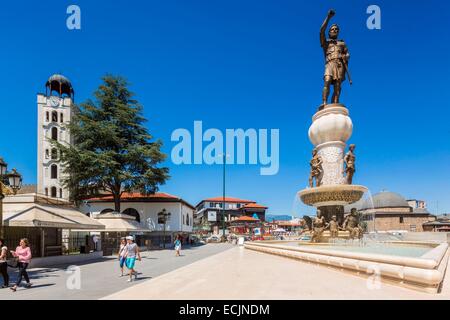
(101, 278)
(212, 271)
(240, 273)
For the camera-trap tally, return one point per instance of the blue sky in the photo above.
(245, 64)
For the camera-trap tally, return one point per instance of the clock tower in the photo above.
(54, 113)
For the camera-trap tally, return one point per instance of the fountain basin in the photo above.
(332, 195)
(424, 273)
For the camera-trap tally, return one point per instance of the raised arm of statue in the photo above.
(323, 28)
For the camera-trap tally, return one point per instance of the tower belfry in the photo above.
(54, 112)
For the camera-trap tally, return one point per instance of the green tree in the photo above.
(112, 151)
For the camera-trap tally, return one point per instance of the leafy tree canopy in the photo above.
(112, 150)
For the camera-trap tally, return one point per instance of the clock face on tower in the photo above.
(54, 101)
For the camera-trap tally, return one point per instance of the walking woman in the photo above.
(22, 252)
(177, 245)
(122, 254)
(4, 264)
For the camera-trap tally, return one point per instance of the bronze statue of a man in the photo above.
(336, 60)
(349, 161)
(316, 169)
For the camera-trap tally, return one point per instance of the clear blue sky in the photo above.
(245, 64)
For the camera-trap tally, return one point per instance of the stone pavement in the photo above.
(102, 277)
(244, 274)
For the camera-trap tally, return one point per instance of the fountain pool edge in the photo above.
(423, 274)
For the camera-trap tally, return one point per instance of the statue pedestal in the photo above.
(329, 132)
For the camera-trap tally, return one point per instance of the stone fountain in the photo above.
(332, 169)
(331, 128)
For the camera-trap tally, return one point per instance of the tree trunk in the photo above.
(117, 201)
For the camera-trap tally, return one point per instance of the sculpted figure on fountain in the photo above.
(351, 224)
(316, 169)
(349, 161)
(318, 227)
(334, 227)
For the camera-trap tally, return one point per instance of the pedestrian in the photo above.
(177, 243)
(22, 252)
(4, 264)
(132, 251)
(122, 254)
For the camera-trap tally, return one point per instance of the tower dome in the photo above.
(60, 84)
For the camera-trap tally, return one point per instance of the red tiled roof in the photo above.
(134, 195)
(245, 218)
(139, 197)
(229, 199)
(254, 206)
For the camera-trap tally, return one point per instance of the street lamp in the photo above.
(163, 216)
(224, 161)
(13, 180)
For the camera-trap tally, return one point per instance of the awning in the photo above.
(39, 215)
(119, 222)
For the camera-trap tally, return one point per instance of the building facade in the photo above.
(147, 209)
(209, 212)
(390, 211)
(54, 112)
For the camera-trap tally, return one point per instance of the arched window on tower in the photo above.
(61, 117)
(46, 192)
(47, 116)
(55, 133)
(54, 154)
(53, 192)
(54, 116)
(54, 172)
(46, 154)
(60, 192)
(132, 212)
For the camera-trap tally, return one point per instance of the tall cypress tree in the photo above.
(112, 151)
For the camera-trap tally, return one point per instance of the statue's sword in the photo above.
(347, 72)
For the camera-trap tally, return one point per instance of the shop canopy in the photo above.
(47, 216)
(119, 222)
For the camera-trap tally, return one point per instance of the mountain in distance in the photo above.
(283, 217)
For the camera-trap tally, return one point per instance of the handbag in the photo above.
(13, 262)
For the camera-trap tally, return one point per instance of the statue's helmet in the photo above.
(333, 32)
(352, 146)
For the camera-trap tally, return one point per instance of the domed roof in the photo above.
(59, 83)
(383, 199)
(387, 199)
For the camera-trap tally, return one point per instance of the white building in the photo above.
(147, 211)
(54, 111)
